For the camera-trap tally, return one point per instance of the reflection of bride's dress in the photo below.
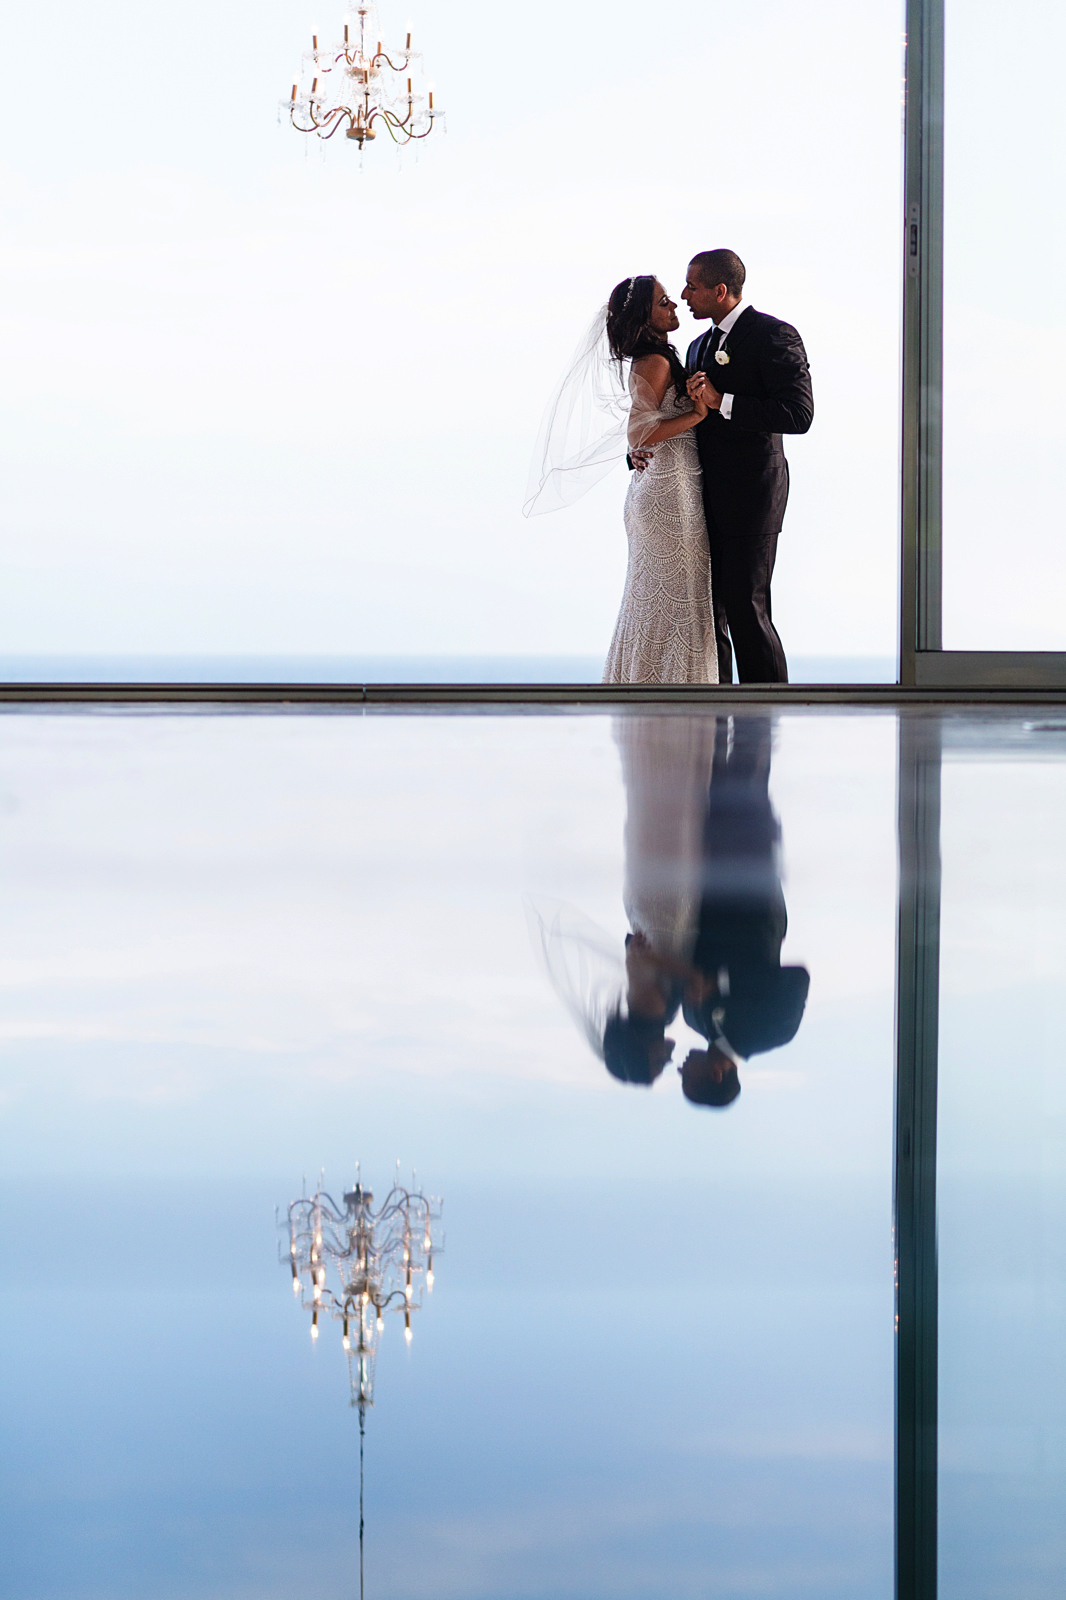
(666, 769)
(665, 629)
(667, 763)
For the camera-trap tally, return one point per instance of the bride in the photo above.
(665, 628)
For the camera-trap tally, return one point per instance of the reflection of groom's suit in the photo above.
(742, 918)
(766, 389)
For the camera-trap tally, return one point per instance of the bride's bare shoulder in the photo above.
(651, 372)
(651, 367)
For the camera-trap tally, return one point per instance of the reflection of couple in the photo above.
(720, 961)
(706, 503)
(703, 898)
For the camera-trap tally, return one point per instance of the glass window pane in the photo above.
(1004, 327)
(271, 405)
(1002, 1181)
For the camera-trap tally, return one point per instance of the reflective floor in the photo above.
(246, 956)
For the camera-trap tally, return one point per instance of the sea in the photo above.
(367, 669)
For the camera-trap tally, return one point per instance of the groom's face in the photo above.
(701, 301)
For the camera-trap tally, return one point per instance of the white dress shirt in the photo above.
(720, 1041)
(725, 327)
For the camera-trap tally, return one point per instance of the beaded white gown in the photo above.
(667, 763)
(665, 628)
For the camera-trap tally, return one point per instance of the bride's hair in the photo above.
(627, 1045)
(628, 333)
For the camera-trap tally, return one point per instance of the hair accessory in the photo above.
(629, 294)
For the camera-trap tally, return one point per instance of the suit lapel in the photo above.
(735, 337)
(695, 350)
(740, 330)
(705, 347)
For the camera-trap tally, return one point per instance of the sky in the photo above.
(1004, 329)
(260, 399)
(1001, 1183)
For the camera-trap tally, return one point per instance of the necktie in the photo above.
(713, 344)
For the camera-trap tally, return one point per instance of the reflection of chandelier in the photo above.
(378, 1261)
(356, 82)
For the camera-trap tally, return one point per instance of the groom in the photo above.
(752, 372)
(747, 1001)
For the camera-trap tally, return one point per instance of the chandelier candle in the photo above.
(361, 89)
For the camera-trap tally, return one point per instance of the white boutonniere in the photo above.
(722, 357)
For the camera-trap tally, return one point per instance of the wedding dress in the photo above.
(665, 628)
(667, 763)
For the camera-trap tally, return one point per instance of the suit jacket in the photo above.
(745, 474)
(765, 1003)
(742, 916)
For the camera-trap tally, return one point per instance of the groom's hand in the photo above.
(700, 387)
(640, 458)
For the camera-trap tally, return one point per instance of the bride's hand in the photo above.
(697, 393)
(703, 392)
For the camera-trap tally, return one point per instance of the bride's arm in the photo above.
(652, 374)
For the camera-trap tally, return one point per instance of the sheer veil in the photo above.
(583, 432)
(584, 965)
(594, 417)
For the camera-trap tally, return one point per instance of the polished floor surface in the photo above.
(239, 951)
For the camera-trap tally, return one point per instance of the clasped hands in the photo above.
(642, 961)
(704, 396)
(702, 391)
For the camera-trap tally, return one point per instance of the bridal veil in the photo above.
(592, 420)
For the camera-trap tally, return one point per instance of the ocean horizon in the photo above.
(351, 669)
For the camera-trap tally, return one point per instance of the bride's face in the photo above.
(663, 319)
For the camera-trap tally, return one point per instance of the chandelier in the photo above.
(353, 1265)
(356, 84)
(380, 1259)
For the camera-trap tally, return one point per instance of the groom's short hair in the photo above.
(720, 266)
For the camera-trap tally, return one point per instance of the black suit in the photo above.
(745, 481)
(742, 920)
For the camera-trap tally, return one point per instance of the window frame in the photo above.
(923, 661)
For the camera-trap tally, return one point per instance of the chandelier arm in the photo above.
(339, 112)
(381, 56)
(403, 124)
(392, 135)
